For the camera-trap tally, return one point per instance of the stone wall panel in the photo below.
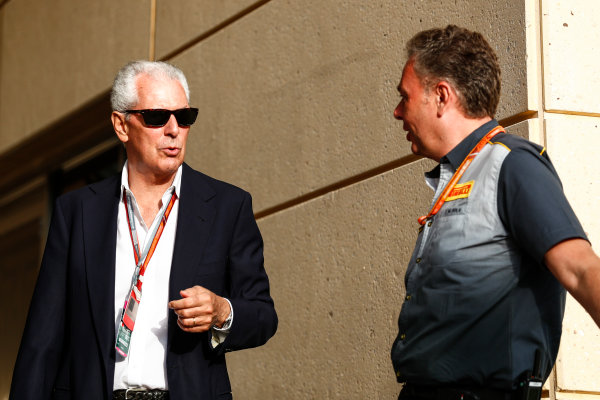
(297, 96)
(56, 55)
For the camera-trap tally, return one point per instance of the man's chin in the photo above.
(170, 166)
(415, 149)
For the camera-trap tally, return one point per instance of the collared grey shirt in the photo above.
(479, 299)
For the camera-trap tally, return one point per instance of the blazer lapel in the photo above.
(100, 211)
(194, 223)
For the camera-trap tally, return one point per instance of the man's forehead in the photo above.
(402, 84)
(410, 78)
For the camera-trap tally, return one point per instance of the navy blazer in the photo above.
(68, 346)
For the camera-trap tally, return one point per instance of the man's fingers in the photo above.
(184, 303)
(190, 322)
(193, 297)
(206, 309)
(197, 324)
(192, 307)
(193, 291)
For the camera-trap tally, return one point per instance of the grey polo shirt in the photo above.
(479, 299)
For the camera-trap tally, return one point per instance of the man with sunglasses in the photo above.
(150, 277)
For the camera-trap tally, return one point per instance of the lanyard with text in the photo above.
(459, 173)
(134, 296)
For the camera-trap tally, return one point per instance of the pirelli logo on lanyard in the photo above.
(134, 296)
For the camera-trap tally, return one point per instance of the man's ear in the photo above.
(444, 96)
(120, 125)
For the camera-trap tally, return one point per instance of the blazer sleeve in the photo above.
(255, 319)
(42, 343)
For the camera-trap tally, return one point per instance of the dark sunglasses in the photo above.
(159, 117)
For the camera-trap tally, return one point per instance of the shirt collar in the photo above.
(125, 180)
(456, 156)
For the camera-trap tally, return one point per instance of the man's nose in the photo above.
(398, 113)
(172, 127)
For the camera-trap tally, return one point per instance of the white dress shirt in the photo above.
(146, 361)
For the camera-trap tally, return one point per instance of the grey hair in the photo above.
(124, 96)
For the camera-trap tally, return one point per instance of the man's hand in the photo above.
(199, 309)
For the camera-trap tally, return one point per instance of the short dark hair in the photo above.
(462, 58)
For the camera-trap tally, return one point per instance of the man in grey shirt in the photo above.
(486, 281)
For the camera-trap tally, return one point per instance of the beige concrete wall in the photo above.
(56, 55)
(298, 95)
(295, 98)
(180, 22)
(1, 50)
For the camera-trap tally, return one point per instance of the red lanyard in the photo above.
(134, 241)
(134, 296)
(459, 173)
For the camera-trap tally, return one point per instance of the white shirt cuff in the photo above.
(219, 335)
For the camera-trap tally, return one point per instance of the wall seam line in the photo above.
(542, 79)
(338, 185)
(371, 173)
(152, 42)
(212, 31)
(577, 113)
(585, 392)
